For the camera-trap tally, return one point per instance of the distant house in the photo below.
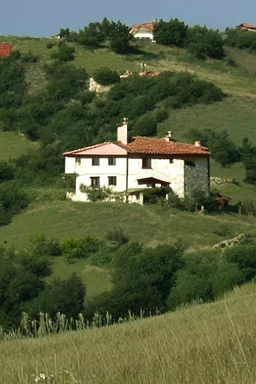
(132, 164)
(56, 37)
(247, 27)
(5, 49)
(143, 31)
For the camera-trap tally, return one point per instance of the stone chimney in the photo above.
(168, 137)
(198, 143)
(122, 132)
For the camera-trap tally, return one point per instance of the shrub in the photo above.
(65, 53)
(7, 171)
(117, 236)
(145, 125)
(203, 42)
(49, 45)
(106, 76)
(12, 198)
(80, 248)
(30, 57)
(244, 256)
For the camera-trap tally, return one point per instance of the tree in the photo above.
(65, 52)
(145, 125)
(64, 296)
(7, 171)
(248, 155)
(203, 42)
(173, 32)
(119, 38)
(106, 76)
(148, 275)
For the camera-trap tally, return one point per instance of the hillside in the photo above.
(209, 343)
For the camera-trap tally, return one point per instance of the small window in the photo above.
(112, 180)
(171, 161)
(146, 163)
(95, 182)
(78, 160)
(111, 161)
(95, 161)
(190, 163)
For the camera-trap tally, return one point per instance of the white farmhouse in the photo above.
(132, 164)
(143, 31)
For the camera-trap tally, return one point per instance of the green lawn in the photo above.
(149, 224)
(236, 115)
(13, 145)
(97, 280)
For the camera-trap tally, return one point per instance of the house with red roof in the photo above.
(132, 164)
(247, 27)
(143, 31)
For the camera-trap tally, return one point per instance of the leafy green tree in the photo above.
(173, 32)
(7, 171)
(64, 33)
(204, 42)
(248, 155)
(119, 38)
(65, 52)
(64, 296)
(148, 274)
(244, 256)
(106, 76)
(145, 125)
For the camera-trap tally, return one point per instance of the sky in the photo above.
(46, 17)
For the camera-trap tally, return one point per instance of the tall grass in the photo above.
(208, 343)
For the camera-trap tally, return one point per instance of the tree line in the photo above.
(152, 279)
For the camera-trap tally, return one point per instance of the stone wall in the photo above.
(196, 178)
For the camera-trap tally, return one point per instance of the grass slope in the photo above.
(210, 343)
(13, 145)
(149, 224)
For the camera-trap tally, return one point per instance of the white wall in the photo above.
(70, 165)
(183, 179)
(144, 35)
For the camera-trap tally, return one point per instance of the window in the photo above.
(95, 182)
(95, 161)
(78, 160)
(146, 163)
(171, 161)
(112, 180)
(190, 163)
(111, 161)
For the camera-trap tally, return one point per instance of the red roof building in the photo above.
(247, 27)
(140, 162)
(5, 49)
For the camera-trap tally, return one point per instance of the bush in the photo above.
(145, 125)
(105, 76)
(12, 198)
(65, 53)
(49, 45)
(7, 171)
(244, 256)
(117, 236)
(80, 248)
(30, 57)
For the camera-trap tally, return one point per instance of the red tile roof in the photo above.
(245, 26)
(142, 145)
(149, 26)
(5, 49)
(151, 146)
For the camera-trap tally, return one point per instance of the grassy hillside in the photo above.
(13, 145)
(210, 343)
(149, 224)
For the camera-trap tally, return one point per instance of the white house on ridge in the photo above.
(143, 31)
(136, 163)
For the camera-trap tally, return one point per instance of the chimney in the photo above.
(198, 143)
(122, 132)
(168, 137)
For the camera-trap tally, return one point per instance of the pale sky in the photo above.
(46, 17)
